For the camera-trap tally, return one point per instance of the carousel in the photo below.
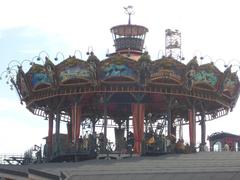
(143, 102)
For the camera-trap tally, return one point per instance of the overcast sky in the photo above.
(209, 28)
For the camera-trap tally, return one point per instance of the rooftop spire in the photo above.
(129, 11)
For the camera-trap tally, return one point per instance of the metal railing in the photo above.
(5, 157)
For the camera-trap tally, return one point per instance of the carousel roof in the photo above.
(126, 77)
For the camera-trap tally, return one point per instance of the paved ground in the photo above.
(197, 166)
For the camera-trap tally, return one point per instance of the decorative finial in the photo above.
(129, 10)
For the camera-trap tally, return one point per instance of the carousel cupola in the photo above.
(129, 38)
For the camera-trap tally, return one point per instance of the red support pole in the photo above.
(190, 121)
(141, 125)
(76, 120)
(192, 127)
(138, 111)
(73, 119)
(135, 125)
(69, 131)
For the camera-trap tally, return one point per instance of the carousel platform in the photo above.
(196, 166)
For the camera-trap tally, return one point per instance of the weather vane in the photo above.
(129, 10)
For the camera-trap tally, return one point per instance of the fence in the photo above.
(4, 157)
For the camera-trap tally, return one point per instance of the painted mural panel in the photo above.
(79, 71)
(165, 65)
(230, 84)
(205, 77)
(120, 69)
(40, 78)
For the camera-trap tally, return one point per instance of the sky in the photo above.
(28, 27)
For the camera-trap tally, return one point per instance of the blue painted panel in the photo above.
(116, 70)
(40, 78)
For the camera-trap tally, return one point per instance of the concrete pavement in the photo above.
(197, 166)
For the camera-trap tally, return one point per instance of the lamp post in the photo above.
(59, 53)
(13, 61)
(10, 76)
(221, 60)
(38, 58)
(237, 66)
(204, 58)
(160, 52)
(233, 61)
(79, 52)
(26, 60)
(43, 52)
(181, 57)
(197, 53)
(90, 49)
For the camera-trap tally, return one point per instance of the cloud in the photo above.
(20, 129)
(8, 104)
(19, 136)
(26, 42)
